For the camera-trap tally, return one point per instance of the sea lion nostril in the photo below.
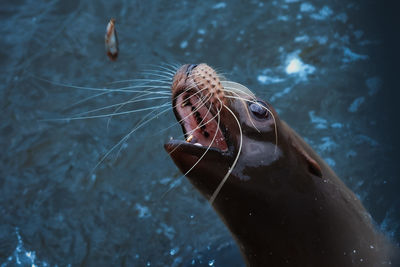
(190, 68)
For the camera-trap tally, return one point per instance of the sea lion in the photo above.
(282, 203)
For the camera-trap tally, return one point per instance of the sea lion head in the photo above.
(228, 129)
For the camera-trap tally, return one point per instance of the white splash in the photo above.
(337, 125)
(350, 56)
(307, 7)
(265, 79)
(294, 65)
(168, 231)
(303, 38)
(143, 211)
(184, 44)
(323, 14)
(321, 39)
(327, 144)
(331, 162)
(23, 257)
(280, 94)
(321, 123)
(201, 31)
(219, 5)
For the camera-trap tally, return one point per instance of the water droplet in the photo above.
(173, 251)
(211, 263)
(184, 44)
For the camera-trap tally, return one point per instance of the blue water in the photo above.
(324, 65)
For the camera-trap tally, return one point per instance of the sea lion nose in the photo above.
(190, 68)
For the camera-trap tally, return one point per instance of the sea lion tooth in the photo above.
(189, 138)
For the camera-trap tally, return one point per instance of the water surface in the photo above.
(322, 64)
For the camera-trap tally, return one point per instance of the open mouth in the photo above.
(199, 121)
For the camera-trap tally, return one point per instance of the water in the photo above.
(325, 66)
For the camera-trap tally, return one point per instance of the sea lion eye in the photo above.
(259, 109)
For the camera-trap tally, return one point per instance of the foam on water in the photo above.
(219, 5)
(323, 14)
(350, 56)
(23, 257)
(266, 79)
(320, 123)
(327, 144)
(307, 7)
(280, 94)
(295, 66)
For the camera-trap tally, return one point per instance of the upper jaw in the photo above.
(191, 145)
(199, 118)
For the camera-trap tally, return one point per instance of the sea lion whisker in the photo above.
(126, 137)
(207, 122)
(162, 73)
(175, 66)
(162, 77)
(191, 132)
(240, 88)
(200, 124)
(121, 104)
(140, 124)
(188, 89)
(146, 80)
(84, 100)
(181, 120)
(105, 115)
(170, 67)
(169, 72)
(269, 111)
(121, 89)
(168, 82)
(216, 192)
(204, 117)
(208, 147)
(145, 93)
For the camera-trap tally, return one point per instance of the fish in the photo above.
(111, 40)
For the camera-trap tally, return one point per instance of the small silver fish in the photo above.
(111, 40)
